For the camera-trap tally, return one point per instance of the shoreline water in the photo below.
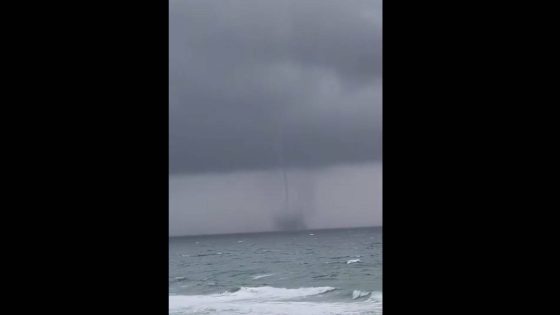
(278, 273)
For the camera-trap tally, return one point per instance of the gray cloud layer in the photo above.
(242, 70)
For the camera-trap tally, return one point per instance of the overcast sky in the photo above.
(249, 77)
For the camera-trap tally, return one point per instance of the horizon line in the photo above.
(274, 231)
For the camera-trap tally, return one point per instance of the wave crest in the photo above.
(272, 301)
(358, 294)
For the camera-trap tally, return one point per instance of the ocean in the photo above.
(305, 272)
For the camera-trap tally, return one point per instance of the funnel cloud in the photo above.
(262, 90)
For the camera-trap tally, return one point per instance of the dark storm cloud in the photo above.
(241, 71)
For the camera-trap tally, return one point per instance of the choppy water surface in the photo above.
(308, 272)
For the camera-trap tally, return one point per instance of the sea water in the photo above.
(306, 272)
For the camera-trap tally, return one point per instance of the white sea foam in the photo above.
(271, 301)
(255, 293)
(271, 293)
(353, 261)
(262, 276)
(376, 297)
(358, 294)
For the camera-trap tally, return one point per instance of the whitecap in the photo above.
(262, 276)
(179, 279)
(272, 301)
(358, 294)
(264, 293)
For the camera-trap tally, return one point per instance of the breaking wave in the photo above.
(274, 301)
